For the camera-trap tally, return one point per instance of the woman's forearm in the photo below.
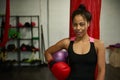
(101, 75)
(48, 57)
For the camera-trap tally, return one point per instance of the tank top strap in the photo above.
(72, 38)
(92, 49)
(91, 39)
(70, 46)
(71, 43)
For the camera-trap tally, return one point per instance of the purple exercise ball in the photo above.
(60, 56)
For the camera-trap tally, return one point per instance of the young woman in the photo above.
(84, 52)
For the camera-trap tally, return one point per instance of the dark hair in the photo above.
(83, 12)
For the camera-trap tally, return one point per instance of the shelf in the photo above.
(30, 37)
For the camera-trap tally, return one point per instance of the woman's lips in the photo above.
(78, 33)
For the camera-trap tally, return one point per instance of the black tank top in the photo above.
(82, 65)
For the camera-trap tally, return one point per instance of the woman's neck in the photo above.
(84, 38)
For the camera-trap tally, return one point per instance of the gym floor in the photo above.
(43, 73)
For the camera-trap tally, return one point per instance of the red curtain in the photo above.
(6, 27)
(94, 6)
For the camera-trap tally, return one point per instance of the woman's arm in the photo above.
(58, 46)
(101, 60)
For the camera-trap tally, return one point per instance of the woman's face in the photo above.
(80, 26)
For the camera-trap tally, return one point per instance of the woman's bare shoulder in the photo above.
(98, 43)
(66, 42)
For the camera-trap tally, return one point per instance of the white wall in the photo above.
(21, 7)
(110, 22)
(25, 7)
(58, 20)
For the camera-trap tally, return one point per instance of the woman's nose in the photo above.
(78, 27)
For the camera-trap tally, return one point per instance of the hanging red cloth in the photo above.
(6, 27)
(94, 6)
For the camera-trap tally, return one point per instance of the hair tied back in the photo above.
(82, 7)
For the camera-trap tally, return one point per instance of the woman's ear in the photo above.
(88, 24)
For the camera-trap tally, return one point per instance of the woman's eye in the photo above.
(82, 24)
(74, 24)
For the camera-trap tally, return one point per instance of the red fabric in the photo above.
(94, 6)
(7, 20)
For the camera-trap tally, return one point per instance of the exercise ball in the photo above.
(60, 56)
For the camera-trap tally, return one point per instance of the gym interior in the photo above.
(35, 25)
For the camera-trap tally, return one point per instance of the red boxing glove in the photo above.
(60, 70)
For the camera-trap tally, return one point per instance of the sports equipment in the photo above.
(60, 70)
(58, 65)
(60, 56)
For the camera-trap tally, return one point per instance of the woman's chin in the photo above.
(79, 36)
